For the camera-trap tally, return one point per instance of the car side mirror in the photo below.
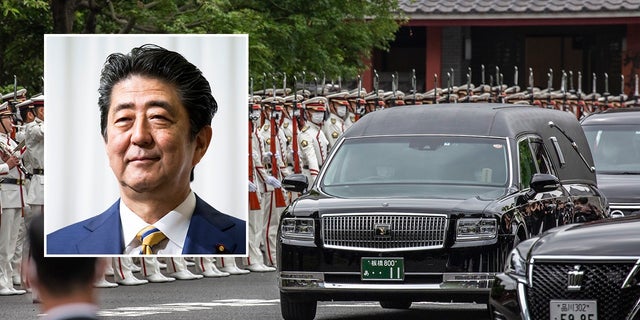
(295, 183)
(542, 182)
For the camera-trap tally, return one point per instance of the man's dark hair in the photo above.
(58, 274)
(155, 62)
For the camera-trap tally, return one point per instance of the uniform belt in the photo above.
(13, 181)
(38, 171)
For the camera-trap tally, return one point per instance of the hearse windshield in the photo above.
(424, 166)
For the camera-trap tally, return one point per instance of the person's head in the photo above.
(151, 61)
(38, 107)
(6, 118)
(255, 111)
(340, 108)
(27, 112)
(155, 110)
(60, 280)
(316, 109)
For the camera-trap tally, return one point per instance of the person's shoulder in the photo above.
(222, 220)
(65, 240)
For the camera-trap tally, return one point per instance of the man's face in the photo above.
(147, 139)
(40, 113)
(6, 123)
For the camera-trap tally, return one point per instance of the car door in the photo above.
(544, 210)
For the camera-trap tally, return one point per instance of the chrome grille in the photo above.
(602, 282)
(405, 231)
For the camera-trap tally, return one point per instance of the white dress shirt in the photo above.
(174, 225)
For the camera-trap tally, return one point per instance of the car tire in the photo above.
(395, 304)
(297, 308)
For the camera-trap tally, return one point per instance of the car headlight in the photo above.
(476, 229)
(516, 265)
(298, 228)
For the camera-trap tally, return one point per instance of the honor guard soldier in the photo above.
(273, 150)
(14, 98)
(255, 259)
(12, 194)
(394, 98)
(333, 127)
(312, 142)
(375, 101)
(291, 129)
(34, 141)
(355, 99)
(27, 114)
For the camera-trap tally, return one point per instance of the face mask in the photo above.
(317, 117)
(255, 114)
(296, 113)
(341, 111)
(278, 115)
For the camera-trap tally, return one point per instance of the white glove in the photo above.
(273, 182)
(252, 187)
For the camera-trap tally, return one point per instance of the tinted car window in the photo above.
(615, 148)
(418, 166)
(527, 163)
(533, 159)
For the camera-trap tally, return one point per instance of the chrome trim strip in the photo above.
(455, 282)
(632, 273)
(624, 205)
(572, 258)
(524, 309)
(634, 311)
(376, 213)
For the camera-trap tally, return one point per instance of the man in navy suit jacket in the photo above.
(210, 231)
(155, 112)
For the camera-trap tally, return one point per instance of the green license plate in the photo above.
(390, 269)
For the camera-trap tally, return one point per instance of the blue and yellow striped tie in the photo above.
(149, 236)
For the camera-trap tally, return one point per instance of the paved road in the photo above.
(252, 296)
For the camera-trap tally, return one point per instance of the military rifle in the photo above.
(606, 93)
(531, 98)
(413, 85)
(435, 88)
(294, 129)
(275, 169)
(581, 104)
(254, 202)
(359, 109)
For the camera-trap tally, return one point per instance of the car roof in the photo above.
(486, 119)
(629, 115)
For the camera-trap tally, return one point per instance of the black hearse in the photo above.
(426, 202)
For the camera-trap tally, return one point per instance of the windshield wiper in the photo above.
(574, 145)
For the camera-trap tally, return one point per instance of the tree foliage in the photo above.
(22, 45)
(332, 37)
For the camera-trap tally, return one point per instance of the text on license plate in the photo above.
(382, 269)
(573, 310)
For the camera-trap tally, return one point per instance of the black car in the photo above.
(580, 271)
(426, 202)
(614, 138)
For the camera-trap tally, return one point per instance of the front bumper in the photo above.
(459, 287)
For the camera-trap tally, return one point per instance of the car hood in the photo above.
(322, 204)
(607, 237)
(619, 188)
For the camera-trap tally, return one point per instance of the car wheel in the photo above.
(395, 304)
(297, 308)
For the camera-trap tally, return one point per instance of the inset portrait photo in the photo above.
(146, 145)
